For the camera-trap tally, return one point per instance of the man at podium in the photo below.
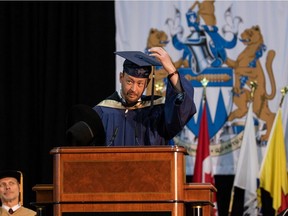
(131, 118)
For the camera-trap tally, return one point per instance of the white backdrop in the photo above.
(134, 19)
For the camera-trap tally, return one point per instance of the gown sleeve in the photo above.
(179, 107)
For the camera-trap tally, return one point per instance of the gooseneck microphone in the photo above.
(113, 137)
(136, 137)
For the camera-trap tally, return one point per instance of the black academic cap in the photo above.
(10, 174)
(138, 64)
(84, 127)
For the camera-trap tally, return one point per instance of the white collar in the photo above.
(14, 208)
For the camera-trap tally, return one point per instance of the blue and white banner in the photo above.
(233, 44)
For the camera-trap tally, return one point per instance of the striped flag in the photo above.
(273, 172)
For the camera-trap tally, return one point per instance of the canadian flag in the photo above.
(203, 163)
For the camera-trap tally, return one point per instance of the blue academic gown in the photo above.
(144, 124)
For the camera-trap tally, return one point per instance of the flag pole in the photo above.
(153, 83)
(231, 200)
(253, 86)
(284, 92)
(204, 83)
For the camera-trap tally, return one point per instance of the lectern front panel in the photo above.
(104, 177)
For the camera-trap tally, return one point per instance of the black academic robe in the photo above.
(144, 124)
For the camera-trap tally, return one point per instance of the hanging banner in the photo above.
(230, 43)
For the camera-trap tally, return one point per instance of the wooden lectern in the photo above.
(125, 180)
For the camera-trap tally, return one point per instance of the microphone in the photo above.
(136, 136)
(113, 137)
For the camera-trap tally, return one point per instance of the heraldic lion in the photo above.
(247, 69)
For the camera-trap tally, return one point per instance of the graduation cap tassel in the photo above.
(152, 90)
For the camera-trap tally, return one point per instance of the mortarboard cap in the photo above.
(10, 174)
(138, 64)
